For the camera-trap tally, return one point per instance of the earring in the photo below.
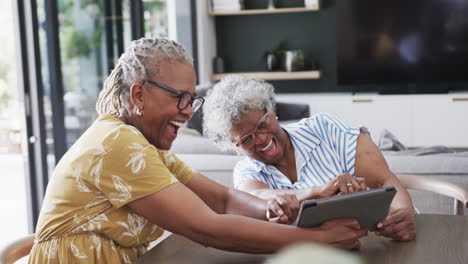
(138, 112)
(276, 117)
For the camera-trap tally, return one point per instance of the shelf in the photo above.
(264, 11)
(271, 76)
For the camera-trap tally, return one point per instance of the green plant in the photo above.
(157, 26)
(277, 50)
(75, 43)
(273, 57)
(5, 96)
(86, 3)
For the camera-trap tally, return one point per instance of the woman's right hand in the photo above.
(283, 209)
(343, 233)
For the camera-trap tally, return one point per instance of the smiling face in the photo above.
(270, 142)
(161, 118)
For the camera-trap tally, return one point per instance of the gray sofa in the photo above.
(199, 153)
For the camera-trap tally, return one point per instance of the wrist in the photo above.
(315, 192)
(321, 236)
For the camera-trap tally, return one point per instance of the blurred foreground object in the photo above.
(314, 253)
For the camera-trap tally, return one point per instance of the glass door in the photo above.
(172, 19)
(67, 49)
(91, 36)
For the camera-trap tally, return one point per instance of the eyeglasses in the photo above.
(185, 98)
(248, 140)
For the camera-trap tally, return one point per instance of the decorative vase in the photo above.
(288, 3)
(218, 65)
(256, 4)
(294, 60)
(312, 3)
(272, 62)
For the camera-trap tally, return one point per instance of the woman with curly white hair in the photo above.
(316, 157)
(118, 187)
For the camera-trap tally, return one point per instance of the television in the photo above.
(403, 46)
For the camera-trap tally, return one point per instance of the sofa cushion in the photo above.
(196, 122)
(288, 112)
(192, 144)
(217, 167)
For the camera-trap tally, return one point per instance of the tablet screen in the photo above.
(368, 207)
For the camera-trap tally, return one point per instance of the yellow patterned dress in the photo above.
(84, 218)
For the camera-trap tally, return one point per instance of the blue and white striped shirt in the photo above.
(324, 147)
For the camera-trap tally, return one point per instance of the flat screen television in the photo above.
(403, 46)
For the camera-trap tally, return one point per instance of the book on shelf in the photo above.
(227, 5)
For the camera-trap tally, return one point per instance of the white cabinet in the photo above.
(416, 120)
(376, 112)
(440, 120)
(382, 112)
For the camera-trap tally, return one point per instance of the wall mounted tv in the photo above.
(403, 46)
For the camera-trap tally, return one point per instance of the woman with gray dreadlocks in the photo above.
(118, 187)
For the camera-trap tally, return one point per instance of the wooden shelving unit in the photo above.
(272, 76)
(264, 11)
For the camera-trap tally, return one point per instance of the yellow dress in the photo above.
(84, 218)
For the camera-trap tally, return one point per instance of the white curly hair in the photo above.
(228, 101)
(140, 61)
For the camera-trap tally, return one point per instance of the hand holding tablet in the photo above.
(368, 207)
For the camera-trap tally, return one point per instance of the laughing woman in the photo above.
(316, 157)
(118, 187)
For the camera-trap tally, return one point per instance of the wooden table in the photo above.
(440, 239)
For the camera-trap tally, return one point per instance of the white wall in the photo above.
(206, 41)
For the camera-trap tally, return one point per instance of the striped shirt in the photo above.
(324, 148)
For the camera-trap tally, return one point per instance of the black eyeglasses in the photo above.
(185, 98)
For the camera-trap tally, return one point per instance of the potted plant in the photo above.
(274, 57)
(294, 60)
(256, 4)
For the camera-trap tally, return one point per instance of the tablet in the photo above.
(368, 207)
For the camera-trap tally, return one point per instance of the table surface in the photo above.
(440, 239)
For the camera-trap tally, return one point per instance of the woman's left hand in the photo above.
(282, 209)
(341, 184)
